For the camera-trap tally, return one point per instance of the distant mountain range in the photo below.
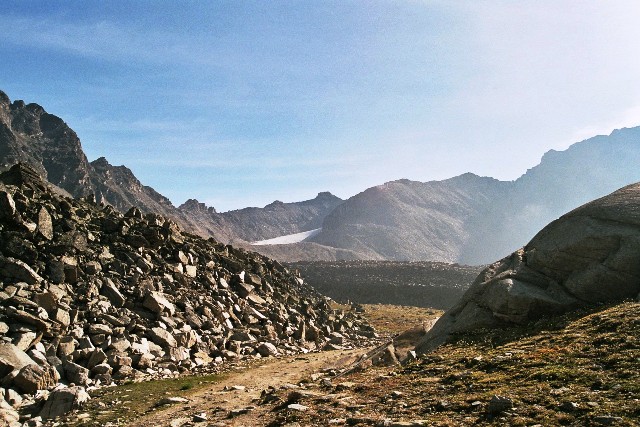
(466, 219)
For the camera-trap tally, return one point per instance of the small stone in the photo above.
(158, 303)
(606, 420)
(569, 407)
(45, 225)
(200, 418)
(499, 404)
(171, 400)
(297, 407)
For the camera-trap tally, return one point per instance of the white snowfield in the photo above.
(289, 238)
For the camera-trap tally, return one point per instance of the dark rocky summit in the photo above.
(589, 256)
(89, 295)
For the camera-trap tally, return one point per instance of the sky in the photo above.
(241, 103)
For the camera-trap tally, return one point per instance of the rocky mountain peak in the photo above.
(275, 204)
(193, 206)
(326, 195)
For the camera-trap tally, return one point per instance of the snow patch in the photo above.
(289, 238)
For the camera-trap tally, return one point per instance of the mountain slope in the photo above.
(466, 219)
(562, 181)
(408, 220)
(474, 220)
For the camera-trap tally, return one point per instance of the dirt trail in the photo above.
(221, 398)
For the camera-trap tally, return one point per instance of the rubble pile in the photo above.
(89, 296)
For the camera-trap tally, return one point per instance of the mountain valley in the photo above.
(117, 308)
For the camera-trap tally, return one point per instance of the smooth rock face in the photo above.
(590, 255)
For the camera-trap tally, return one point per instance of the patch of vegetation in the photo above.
(394, 319)
(120, 404)
(418, 284)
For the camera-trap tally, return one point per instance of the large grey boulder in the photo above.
(590, 255)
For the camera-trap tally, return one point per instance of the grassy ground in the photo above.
(393, 319)
(126, 402)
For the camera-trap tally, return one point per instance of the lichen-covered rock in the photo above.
(32, 378)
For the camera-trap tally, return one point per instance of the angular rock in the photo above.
(12, 358)
(32, 378)
(63, 401)
(163, 338)
(16, 269)
(158, 303)
(45, 225)
(267, 349)
(110, 290)
(76, 374)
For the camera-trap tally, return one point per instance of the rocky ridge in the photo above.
(589, 256)
(253, 224)
(401, 220)
(90, 295)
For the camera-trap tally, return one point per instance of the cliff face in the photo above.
(31, 135)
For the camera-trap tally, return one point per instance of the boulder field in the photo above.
(89, 296)
(589, 256)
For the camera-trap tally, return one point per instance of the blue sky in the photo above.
(241, 103)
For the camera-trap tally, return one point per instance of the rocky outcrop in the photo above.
(588, 256)
(89, 295)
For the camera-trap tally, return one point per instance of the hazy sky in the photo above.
(240, 103)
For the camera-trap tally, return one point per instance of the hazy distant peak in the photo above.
(274, 204)
(326, 195)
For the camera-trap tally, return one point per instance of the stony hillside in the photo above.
(89, 295)
(400, 220)
(419, 284)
